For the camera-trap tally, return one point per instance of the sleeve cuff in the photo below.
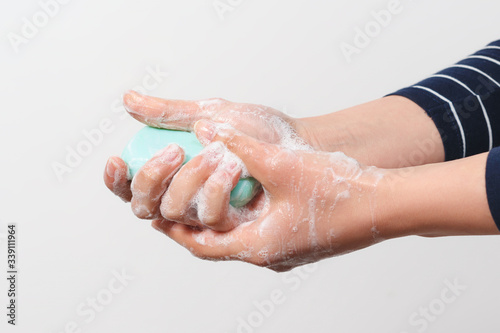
(493, 184)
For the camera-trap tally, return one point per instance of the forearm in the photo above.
(390, 132)
(441, 199)
(450, 115)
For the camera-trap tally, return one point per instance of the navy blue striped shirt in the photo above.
(464, 103)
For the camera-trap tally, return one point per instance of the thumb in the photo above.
(256, 155)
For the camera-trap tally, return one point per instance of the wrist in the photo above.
(360, 213)
(441, 199)
(332, 132)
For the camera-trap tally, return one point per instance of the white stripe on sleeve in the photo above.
(486, 117)
(452, 107)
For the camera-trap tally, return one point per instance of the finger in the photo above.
(214, 207)
(177, 202)
(170, 114)
(151, 181)
(256, 155)
(116, 178)
(205, 243)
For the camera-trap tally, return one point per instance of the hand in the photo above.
(315, 205)
(145, 191)
(258, 121)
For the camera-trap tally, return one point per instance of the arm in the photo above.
(394, 132)
(390, 132)
(319, 205)
(443, 199)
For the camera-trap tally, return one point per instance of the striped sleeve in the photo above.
(464, 103)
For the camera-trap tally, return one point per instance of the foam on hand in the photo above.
(148, 141)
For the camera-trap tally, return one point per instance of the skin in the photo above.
(316, 202)
(391, 132)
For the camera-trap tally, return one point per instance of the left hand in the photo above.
(314, 205)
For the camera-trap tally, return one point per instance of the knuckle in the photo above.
(199, 253)
(281, 166)
(282, 160)
(207, 217)
(150, 174)
(214, 184)
(139, 184)
(195, 252)
(219, 226)
(258, 261)
(212, 104)
(215, 188)
(171, 212)
(141, 210)
(209, 220)
(219, 100)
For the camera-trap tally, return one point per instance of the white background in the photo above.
(74, 233)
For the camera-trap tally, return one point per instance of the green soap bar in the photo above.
(150, 140)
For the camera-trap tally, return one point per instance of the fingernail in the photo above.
(205, 130)
(169, 154)
(133, 92)
(130, 98)
(111, 167)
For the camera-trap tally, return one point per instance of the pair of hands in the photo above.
(313, 204)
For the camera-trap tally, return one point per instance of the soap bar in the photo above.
(150, 140)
